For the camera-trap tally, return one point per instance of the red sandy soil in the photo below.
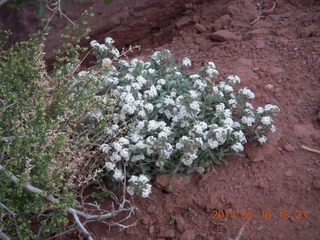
(278, 57)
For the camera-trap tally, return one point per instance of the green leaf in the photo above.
(107, 1)
(12, 5)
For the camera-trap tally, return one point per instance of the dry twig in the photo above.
(265, 12)
(76, 213)
(310, 149)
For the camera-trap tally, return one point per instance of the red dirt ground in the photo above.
(279, 58)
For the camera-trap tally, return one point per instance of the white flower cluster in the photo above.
(106, 50)
(139, 185)
(175, 120)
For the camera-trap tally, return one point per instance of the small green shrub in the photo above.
(43, 116)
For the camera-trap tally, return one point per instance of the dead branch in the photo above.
(76, 213)
(3, 236)
(3, 2)
(240, 232)
(310, 149)
(264, 12)
(13, 215)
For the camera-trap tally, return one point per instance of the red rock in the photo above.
(151, 209)
(224, 35)
(246, 75)
(260, 44)
(245, 61)
(308, 31)
(203, 43)
(283, 42)
(188, 235)
(288, 173)
(289, 148)
(276, 70)
(255, 33)
(195, 18)
(151, 230)
(166, 233)
(316, 183)
(222, 23)
(302, 3)
(146, 220)
(303, 130)
(200, 28)
(181, 225)
(183, 21)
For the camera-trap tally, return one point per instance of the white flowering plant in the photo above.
(168, 121)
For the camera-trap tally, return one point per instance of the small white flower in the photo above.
(168, 101)
(123, 141)
(142, 114)
(104, 148)
(137, 158)
(270, 107)
(124, 63)
(163, 135)
(248, 120)
(186, 62)
(115, 52)
(83, 73)
(188, 159)
(249, 106)
(153, 125)
(179, 145)
(266, 120)
(110, 166)
(106, 62)
(200, 84)
(152, 92)
(161, 82)
(108, 40)
(194, 76)
(212, 72)
(124, 153)
(247, 92)
(199, 140)
(262, 139)
(194, 94)
(130, 190)
(118, 175)
(228, 88)
(273, 128)
(135, 137)
(213, 144)
(195, 105)
(146, 191)
(143, 178)
(115, 157)
(260, 110)
(232, 103)
(240, 136)
(151, 71)
(117, 146)
(234, 79)
(211, 64)
(94, 44)
(220, 107)
(237, 147)
(228, 122)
